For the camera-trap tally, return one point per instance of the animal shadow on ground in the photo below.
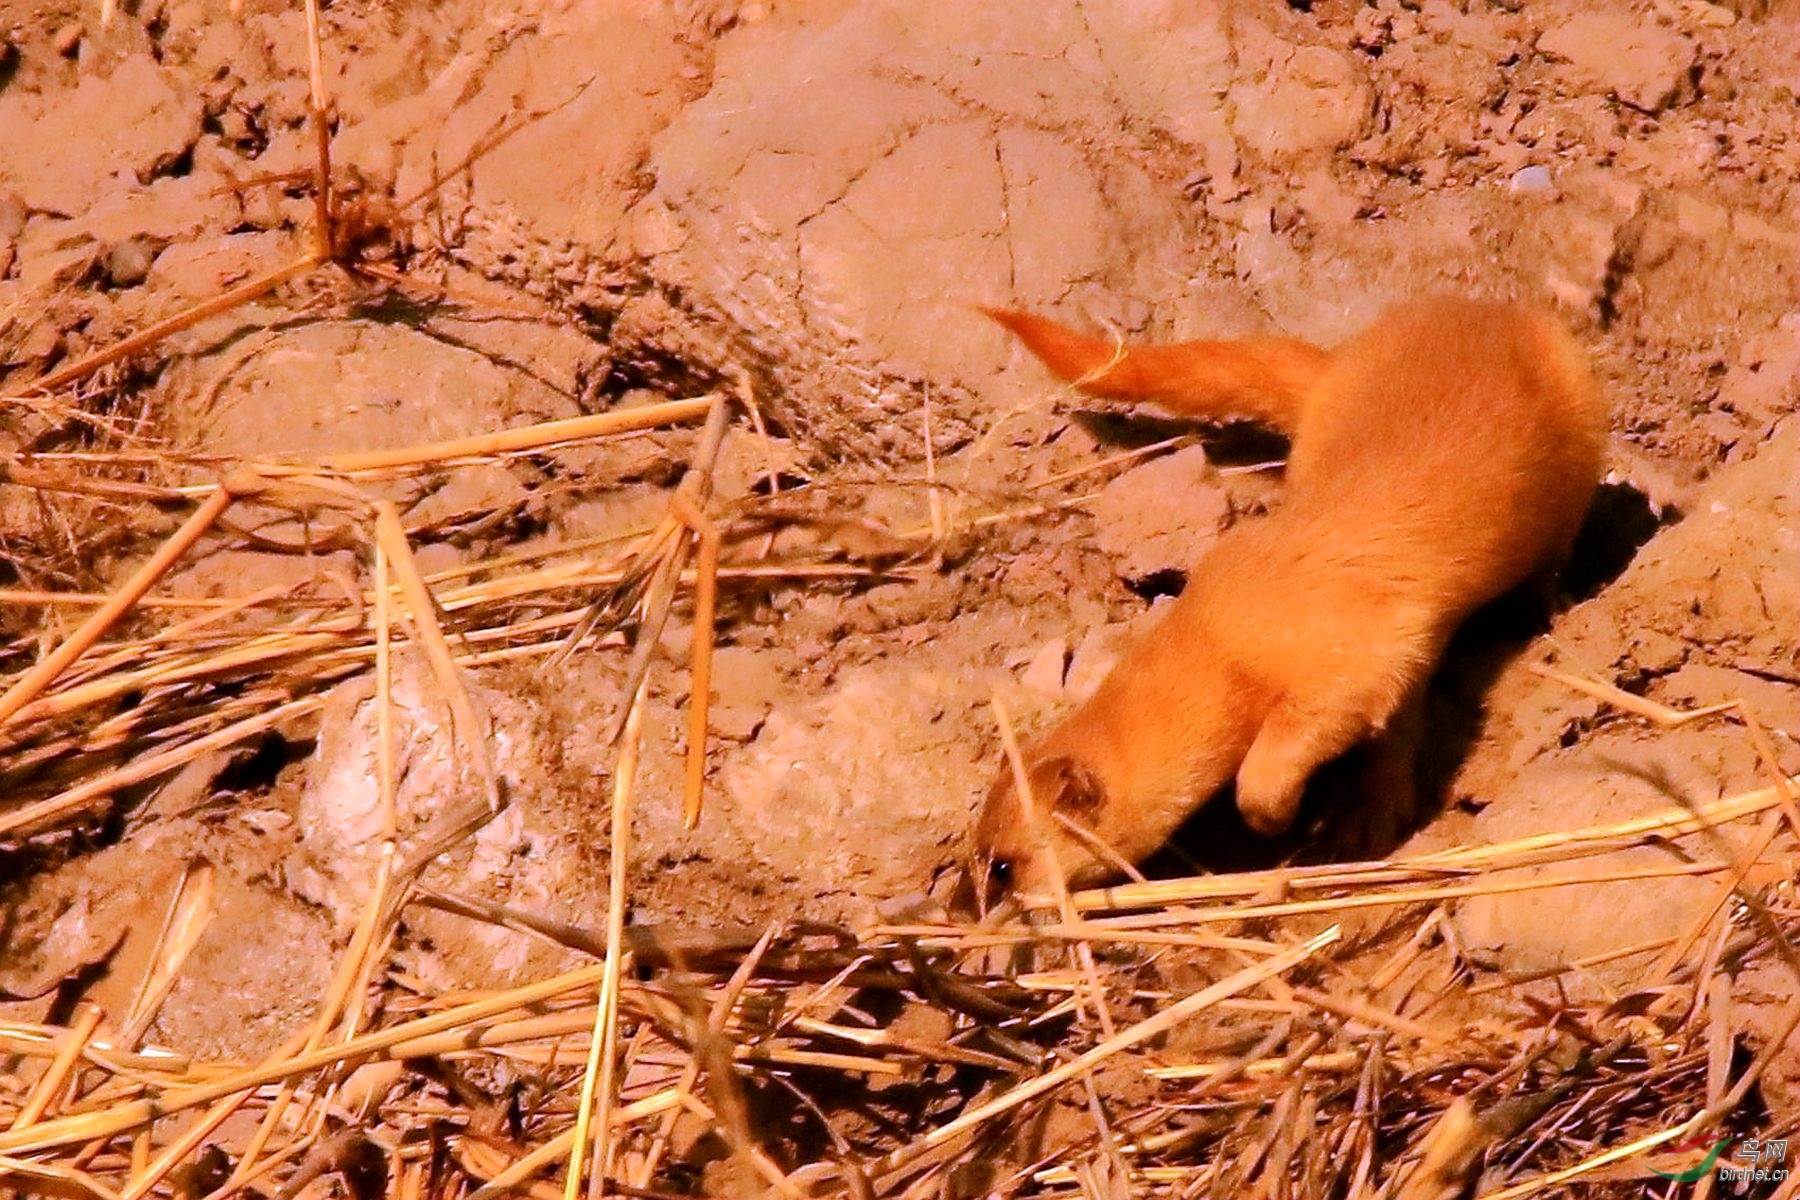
(1236, 444)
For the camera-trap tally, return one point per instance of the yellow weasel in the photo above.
(1439, 459)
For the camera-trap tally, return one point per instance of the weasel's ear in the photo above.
(1066, 786)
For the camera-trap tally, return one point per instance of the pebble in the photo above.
(1707, 15)
(1045, 672)
(67, 40)
(128, 263)
(1533, 181)
(13, 214)
(746, 684)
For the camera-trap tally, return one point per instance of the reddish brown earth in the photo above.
(810, 196)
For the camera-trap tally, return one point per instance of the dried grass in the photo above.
(1323, 1082)
(1235, 1043)
(1387, 1103)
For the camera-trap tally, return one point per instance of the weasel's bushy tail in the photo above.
(1266, 379)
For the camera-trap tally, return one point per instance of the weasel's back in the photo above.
(1468, 433)
(1463, 430)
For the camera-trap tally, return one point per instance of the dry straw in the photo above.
(1213, 1036)
(1390, 1092)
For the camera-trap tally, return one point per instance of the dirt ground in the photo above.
(805, 199)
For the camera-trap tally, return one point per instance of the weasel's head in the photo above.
(1010, 851)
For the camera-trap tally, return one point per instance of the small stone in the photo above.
(746, 682)
(1045, 673)
(44, 341)
(1658, 653)
(67, 40)
(234, 127)
(9, 253)
(1533, 181)
(266, 820)
(13, 214)
(1099, 651)
(1707, 16)
(128, 263)
(1566, 292)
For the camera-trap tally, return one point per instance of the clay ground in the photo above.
(802, 200)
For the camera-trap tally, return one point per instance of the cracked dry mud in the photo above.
(810, 196)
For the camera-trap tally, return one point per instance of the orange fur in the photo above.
(1440, 458)
(1263, 378)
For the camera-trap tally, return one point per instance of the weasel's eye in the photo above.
(1000, 872)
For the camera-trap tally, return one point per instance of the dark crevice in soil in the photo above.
(259, 770)
(1169, 582)
(1237, 443)
(1621, 521)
